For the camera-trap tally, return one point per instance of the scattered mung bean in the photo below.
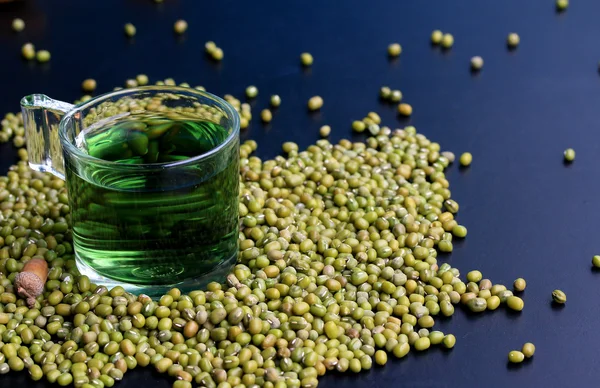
(180, 26)
(394, 50)
(42, 56)
(251, 91)
(569, 155)
(515, 357)
(559, 297)
(306, 59)
(436, 37)
(528, 350)
(447, 41)
(513, 40)
(396, 96)
(130, 30)
(476, 63)
(405, 109)
(324, 131)
(519, 285)
(561, 5)
(515, 303)
(18, 25)
(88, 85)
(315, 103)
(28, 51)
(275, 101)
(266, 116)
(465, 159)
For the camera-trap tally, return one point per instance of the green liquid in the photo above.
(155, 226)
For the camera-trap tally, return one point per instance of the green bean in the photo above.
(18, 25)
(449, 341)
(559, 297)
(513, 40)
(180, 26)
(515, 303)
(478, 304)
(381, 357)
(476, 63)
(251, 91)
(15, 363)
(466, 159)
(561, 5)
(306, 59)
(519, 285)
(528, 350)
(130, 30)
(315, 103)
(436, 37)
(515, 357)
(275, 101)
(394, 50)
(422, 343)
(42, 56)
(447, 41)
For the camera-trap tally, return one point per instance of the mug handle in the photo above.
(41, 119)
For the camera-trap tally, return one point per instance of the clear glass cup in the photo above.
(153, 182)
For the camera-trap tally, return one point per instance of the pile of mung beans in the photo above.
(338, 270)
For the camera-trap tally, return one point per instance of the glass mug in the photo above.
(153, 181)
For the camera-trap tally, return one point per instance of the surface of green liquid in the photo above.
(158, 224)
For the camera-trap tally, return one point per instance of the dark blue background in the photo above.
(528, 214)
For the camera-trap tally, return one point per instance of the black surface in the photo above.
(528, 214)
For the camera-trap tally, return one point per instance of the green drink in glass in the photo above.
(153, 183)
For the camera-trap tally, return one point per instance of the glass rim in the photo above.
(229, 110)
